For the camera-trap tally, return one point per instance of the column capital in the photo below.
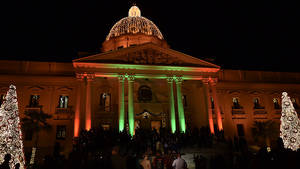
(178, 79)
(87, 76)
(79, 76)
(90, 76)
(121, 77)
(213, 81)
(170, 78)
(206, 81)
(130, 77)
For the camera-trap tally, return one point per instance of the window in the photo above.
(276, 103)
(294, 103)
(105, 99)
(256, 104)
(145, 94)
(184, 101)
(240, 130)
(61, 132)
(2, 97)
(63, 101)
(105, 127)
(34, 100)
(236, 103)
(212, 102)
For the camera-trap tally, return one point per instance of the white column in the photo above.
(209, 110)
(172, 105)
(88, 111)
(130, 104)
(181, 117)
(216, 105)
(121, 103)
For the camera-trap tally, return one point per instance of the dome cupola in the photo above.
(133, 30)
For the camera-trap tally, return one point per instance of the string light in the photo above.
(10, 130)
(290, 124)
(134, 24)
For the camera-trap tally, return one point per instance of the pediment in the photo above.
(147, 54)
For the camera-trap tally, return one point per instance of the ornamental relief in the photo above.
(152, 57)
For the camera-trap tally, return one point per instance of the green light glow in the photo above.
(130, 107)
(121, 106)
(172, 107)
(146, 67)
(180, 108)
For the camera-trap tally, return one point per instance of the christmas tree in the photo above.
(290, 124)
(10, 130)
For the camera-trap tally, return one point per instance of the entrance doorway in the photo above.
(156, 124)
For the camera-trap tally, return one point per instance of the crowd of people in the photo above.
(152, 149)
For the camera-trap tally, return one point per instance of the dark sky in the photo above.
(240, 34)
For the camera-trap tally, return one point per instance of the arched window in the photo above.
(212, 102)
(145, 94)
(63, 101)
(105, 101)
(276, 103)
(34, 100)
(236, 103)
(256, 104)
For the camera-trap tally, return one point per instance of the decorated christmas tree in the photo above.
(290, 124)
(10, 130)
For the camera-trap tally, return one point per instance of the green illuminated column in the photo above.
(180, 105)
(130, 104)
(172, 106)
(121, 103)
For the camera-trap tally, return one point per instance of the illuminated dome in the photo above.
(134, 24)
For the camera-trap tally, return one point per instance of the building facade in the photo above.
(138, 81)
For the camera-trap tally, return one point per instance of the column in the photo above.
(180, 105)
(121, 103)
(130, 104)
(172, 106)
(209, 110)
(77, 107)
(88, 111)
(216, 105)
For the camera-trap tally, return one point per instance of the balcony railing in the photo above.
(63, 113)
(64, 110)
(35, 108)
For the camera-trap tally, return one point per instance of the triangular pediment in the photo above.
(146, 54)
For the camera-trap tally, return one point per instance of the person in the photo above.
(5, 164)
(179, 163)
(117, 162)
(146, 163)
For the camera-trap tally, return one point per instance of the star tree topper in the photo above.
(290, 124)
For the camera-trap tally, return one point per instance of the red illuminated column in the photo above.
(216, 105)
(77, 108)
(88, 112)
(209, 110)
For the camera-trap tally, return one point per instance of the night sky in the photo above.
(239, 34)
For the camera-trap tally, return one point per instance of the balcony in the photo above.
(63, 113)
(37, 108)
(260, 113)
(238, 113)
